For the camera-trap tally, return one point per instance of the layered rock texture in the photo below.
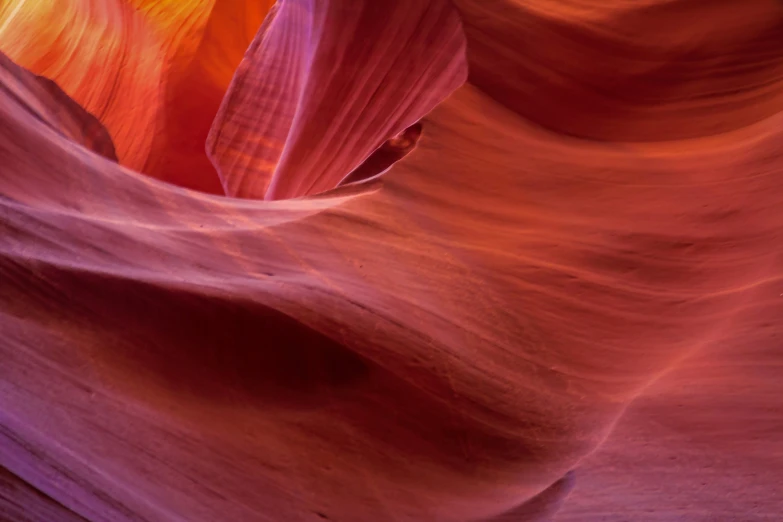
(410, 260)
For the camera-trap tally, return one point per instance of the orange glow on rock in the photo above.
(411, 260)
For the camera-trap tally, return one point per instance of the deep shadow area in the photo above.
(212, 348)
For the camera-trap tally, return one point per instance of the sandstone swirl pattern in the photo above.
(213, 307)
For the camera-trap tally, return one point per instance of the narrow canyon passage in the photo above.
(357, 261)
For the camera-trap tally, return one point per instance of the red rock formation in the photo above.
(447, 341)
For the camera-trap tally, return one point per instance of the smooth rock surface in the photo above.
(556, 294)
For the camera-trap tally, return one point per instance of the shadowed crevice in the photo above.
(21, 502)
(386, 155)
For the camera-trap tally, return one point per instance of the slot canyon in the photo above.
(391, 260)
